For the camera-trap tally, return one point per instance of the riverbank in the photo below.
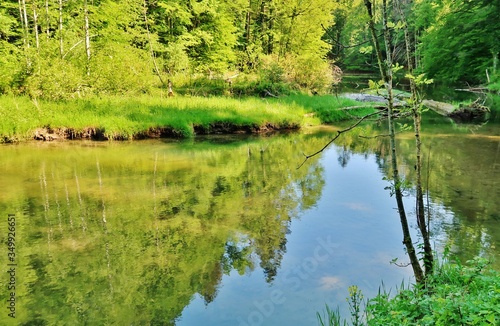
(126, 118)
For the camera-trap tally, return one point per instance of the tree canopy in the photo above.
(66, 48)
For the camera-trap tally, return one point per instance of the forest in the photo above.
(59, 49)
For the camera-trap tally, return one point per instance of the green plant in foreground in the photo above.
(332, 317)
(455, 294)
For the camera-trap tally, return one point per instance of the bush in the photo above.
(10, 67)
(55, 79)
(116, 70)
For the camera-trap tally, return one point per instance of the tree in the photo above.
(416, 107)
(459, 39)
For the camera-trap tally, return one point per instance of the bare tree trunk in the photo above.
(61, 44)
(23, 25)
(157, 70)
(270, 40)
(495, 61)
(262, 24)
(87, 35)
(35, 26)
(247, 24)
(47, 27)
(24, 20)
(416, 103)
(385, 67)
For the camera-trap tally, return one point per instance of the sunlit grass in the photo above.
(328, 108)
(131, 117)
(120, 117)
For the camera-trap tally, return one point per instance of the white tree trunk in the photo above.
(35, 26)
(61, 48)
(87, 36)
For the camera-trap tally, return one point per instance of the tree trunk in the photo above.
(495, 62)
(87, 35)
(35, 26)
(385, 67)
(61, 44)
(270, 38)
(47, 27)
(157, 70)
(24, 19)
(416, 104)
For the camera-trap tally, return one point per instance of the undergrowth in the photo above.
(455, 294)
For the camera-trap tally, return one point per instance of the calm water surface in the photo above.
(227, 230)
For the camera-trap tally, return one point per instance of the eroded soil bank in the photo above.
(99, 134)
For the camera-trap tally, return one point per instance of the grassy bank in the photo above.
(328, 108)
(145, 117)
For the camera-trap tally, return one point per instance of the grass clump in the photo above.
(127, 117)
(115, 117)
(455, 294)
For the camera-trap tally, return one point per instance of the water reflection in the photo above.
(193, 233)
(128, 233)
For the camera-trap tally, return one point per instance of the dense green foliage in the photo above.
(460, 40)
(60, 49)
(455, 295)
(455, 41)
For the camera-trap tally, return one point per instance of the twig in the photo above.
(75, 45)
(268, 93)
(339, 132)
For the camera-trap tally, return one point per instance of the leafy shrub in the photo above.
(454, 295)
(116, 70)
(55, 79)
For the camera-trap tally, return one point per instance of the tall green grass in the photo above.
(328, 108)
(129, 117)
(122, 117)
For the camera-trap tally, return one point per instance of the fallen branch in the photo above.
(339, 132)
(268, 93)
(480, 90)
(363, 107)
(373, 137)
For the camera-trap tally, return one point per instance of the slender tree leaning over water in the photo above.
(416, 106)
(386, 71)
(386, 67)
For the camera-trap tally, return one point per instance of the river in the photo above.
(227, 230)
